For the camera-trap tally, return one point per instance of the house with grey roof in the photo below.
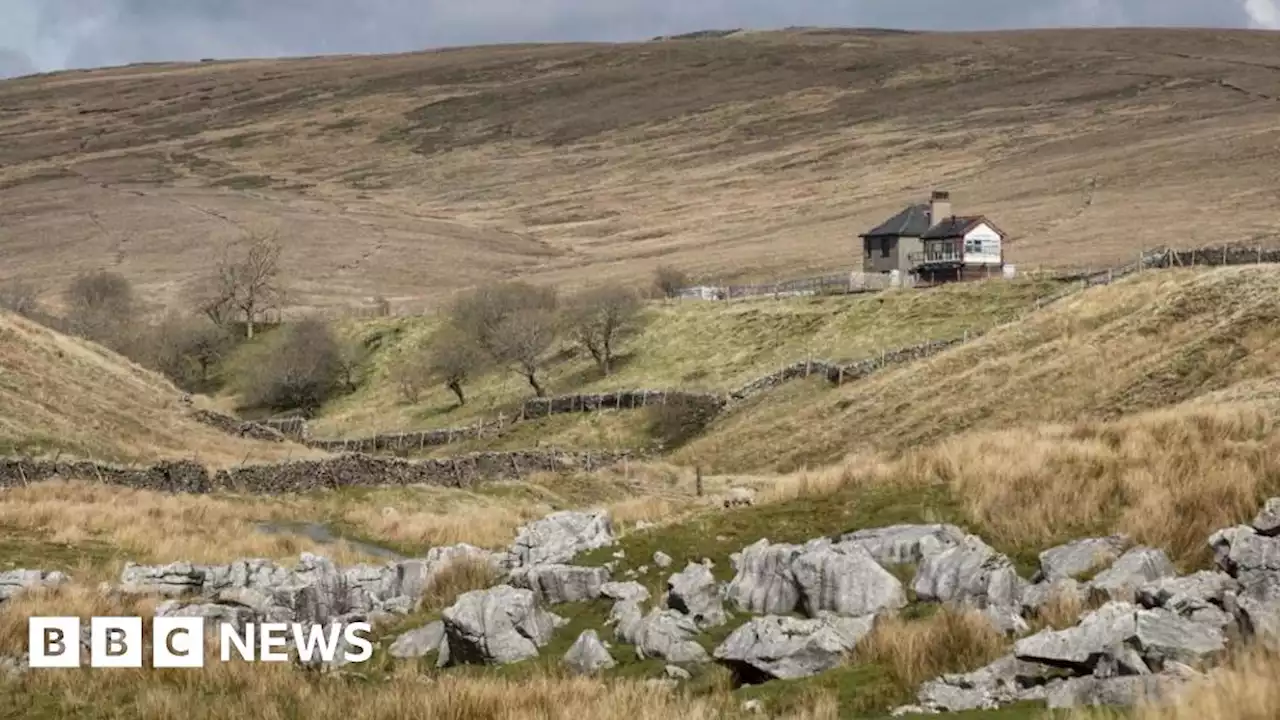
(928, 241)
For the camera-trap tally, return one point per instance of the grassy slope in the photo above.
(1149, 341)
(754, 156)
(63, 395)
(690, 346)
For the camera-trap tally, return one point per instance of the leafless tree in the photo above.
(101, 307)
(670, 281)
(245, 281)
(187, 348)
(454, 360)
(512, 323)
(599, 319)
(410, 370)
(20, 297)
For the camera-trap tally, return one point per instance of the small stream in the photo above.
(324, 535)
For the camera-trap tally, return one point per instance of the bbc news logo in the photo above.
(179, 642)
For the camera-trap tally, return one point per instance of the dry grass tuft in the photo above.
(1168, 478)
(949, 641)
(458, 577)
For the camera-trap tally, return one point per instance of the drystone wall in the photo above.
(835, 372)
(352, 470)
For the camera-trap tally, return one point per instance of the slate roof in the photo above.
(913, 221)
(954, 226)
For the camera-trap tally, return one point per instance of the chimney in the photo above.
(939, 207)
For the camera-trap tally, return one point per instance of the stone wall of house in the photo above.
(351, 470)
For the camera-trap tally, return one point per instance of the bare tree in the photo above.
(187, 348)
(244, 282)
(454, 360)
(513, 324)
(20, 297)
(101, 307)
(523, 341)
(670, 281)
(410, 370)
(601, 318)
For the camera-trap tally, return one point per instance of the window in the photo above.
(973, 245)
(885, 244)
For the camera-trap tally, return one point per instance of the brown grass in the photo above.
(1147, 342)
(416, 174)
(64, 395)
(949, 641)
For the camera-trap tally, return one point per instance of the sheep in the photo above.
(739, 496)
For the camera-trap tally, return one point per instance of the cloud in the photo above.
(57, 34)
(1263, 14)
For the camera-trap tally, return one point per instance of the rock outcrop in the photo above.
(497, 626)
(773, 647)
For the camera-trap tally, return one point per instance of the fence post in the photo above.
(698, 481)
(1259, 254)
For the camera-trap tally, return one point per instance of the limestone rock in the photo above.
(1267, 521)
(845, 581)
(1118, 691)
(1135, 568)
(668, 635)
(555, 584)
(560, 536)
(419, 642)
(629, 590)
(695, 592)
(15, 582)
(662, 559)
(1077, 558)
(904, 544)
(764, 583)
(970, 572)
(588, 655)
(774, 647)
(497, 626)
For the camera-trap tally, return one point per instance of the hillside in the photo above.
(1150, 341)
(753, 156)
(690, 346)
(62, 395)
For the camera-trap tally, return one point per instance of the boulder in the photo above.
(630, 590)
(764, 583)
(773, 647)
(1004, 681)
(662, 560)
(497, 626)
(560, 536)
(626, 617)
(1079, 648)
(904, 544)
(1065, 590)
(970, 572)
(695, 592)
(676, 672)
(555, 584)
(16, 582)
(1117, 691)
(588, 655)
(419, 642)
(845, 580)
(1080, 557)
(1267, 521)
(668, 635)
(1242, 549)
(1200, 596)
(1135, 568)
(172, 580)
(215, 615)
(1159, 636)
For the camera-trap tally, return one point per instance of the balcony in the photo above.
(939, 255)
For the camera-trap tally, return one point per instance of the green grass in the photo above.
(701, 346)
(22, 549)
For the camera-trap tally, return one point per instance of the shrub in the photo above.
(669, 281)
(679, 420)
(300, 366)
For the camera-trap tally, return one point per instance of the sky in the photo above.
(44, 35)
